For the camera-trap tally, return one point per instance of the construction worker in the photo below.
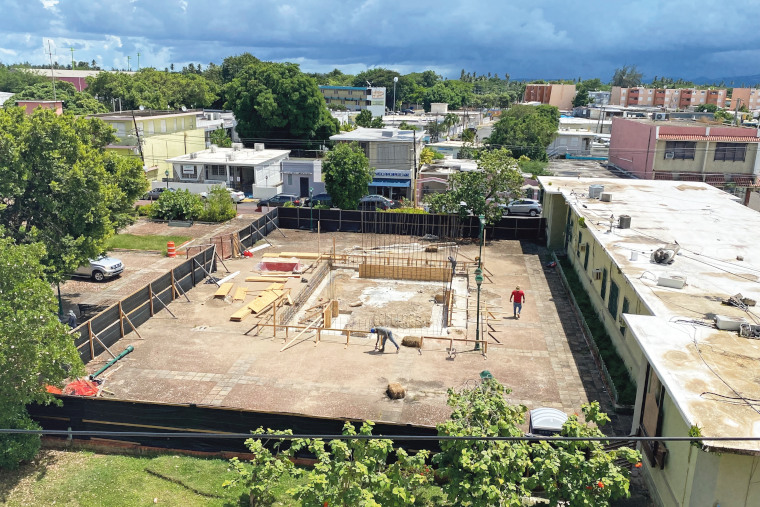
(385, 333)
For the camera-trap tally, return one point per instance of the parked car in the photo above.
(522, 207)
(407, 111)
(101, 268)
(324, 199)
(155, 193)
(236, 195)
(280, 200)
(375, 202)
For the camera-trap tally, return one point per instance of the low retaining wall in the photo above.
(404, 272)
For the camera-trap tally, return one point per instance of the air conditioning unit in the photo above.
(669, 155)
(661, 116)
(596, 274)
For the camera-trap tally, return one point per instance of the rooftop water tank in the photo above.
(546, 421)
(594, 191)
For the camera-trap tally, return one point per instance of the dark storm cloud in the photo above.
(540, 39)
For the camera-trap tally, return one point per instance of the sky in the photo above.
(538, 39)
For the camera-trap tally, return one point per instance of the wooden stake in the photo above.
(89, 333)
(150, 294)
(121, 321)
(132, 326)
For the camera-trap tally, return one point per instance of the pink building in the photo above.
(76, 77)
(686, 150)
(559, 95)
(671, 98)
(745, 97)
(31, 105)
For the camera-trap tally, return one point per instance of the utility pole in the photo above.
(52, 74)
(137, 133)
(138, 61)
(73, 66)
(414, 168)
(129, 67)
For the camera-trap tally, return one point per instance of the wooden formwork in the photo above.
(419, 273)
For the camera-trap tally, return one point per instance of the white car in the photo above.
(236, 195)
(522, 207)
(101, 268)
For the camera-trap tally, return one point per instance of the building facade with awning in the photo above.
(393, 155)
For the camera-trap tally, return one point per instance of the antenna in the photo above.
(73, 66)
(52, 74)
(138, 61)
(129, 67)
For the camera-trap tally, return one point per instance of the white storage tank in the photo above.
(595, 191)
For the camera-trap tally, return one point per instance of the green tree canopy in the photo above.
(220, 138)
(581, 98)
(526, 130)
(277, 100)
(454, 93)
(481, 191)
(627, 76)
(347, 175)
(62, 188)
(35, 348)
(365, 119)
(154, 89)
(14, 79)
(74, 102)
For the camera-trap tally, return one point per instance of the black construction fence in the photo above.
(103, 414)
(413, 224)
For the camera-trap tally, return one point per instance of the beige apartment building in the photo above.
(559, 95)
(747, 97)
(672, 98)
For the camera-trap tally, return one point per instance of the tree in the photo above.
(15, 79)
(484, 473)
(581, 98)
(178, 205)
(364, 118)
(627, 76)
(218, 206)
(277, 101)
(483, 190)
(35, 348)
(427, 155)
(710, 108)
(526, 130)
(435, 130)
(357, 472)
(74, 102)
(347, 175)
(220, 138)
(62, 188)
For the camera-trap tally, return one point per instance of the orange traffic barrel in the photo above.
(170, 250)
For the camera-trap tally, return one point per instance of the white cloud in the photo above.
(8, 52)
(183, 5)
(49, 5)
(111, 41)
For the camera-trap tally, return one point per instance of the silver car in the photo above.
(522, 207)
(101, 268)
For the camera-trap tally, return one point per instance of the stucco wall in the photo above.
(630, 144)
(704, 160)
(158, 148)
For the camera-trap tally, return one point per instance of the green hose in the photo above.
(126, 351)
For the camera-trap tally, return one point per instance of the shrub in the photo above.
(177, 205)
(19, 447)
(218, 206)
(144, 211)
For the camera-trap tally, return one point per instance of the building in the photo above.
(558, 95)
(76, 77)
(31, 105)
(686, 150)
(745, 97)
(4, 96)
(392, 153)
(599, 97)
(210, 121)
(671, 98)
(162, 134)
(301, 176)
(668, 321)
(356, 98)
(447, 148)
(254, 171)
(571, 142)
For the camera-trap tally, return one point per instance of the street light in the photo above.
(311, 209)
(479, 280)
(166, 173)
(395, 80)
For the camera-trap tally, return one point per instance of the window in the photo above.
(218, 170)
(578, 246)
(163, 125)
(730, 152)
(603, 291)
(683, 150)
(623, 310)
(290, 179)
(612, 304)
(585, 260)
(650, 423)
(151, 128)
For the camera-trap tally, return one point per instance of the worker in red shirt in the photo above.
(518, 296)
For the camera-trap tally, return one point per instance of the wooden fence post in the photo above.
(150, 295)
(89, 335)
(121, 320)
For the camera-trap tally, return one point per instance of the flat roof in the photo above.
(697, 365)
(713, 232)
(143, 114)
(243, 157)
(387, 134)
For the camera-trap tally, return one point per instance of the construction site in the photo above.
(283, 327)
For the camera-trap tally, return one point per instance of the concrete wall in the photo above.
(630, 145)
(704, 161)
(294, 170)
(158, 148)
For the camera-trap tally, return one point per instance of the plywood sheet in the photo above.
(240, 294)
(269, 279)
(224, 290)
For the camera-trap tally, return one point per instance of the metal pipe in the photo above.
(110, 363)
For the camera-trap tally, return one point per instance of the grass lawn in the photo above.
(87, 479)
(133, 242)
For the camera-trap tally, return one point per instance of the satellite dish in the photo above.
(142, 108)
(184, 108)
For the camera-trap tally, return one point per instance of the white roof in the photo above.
(5, 96)
(713, 232)
(697, 365)
(243, 157)
(387, 134)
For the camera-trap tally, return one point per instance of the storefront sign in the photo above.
(392, 174)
